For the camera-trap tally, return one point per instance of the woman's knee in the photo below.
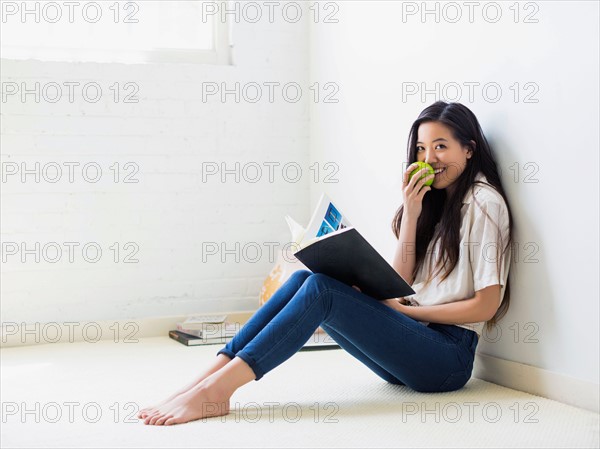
(301, 275)
(319, 278)
(317, 282)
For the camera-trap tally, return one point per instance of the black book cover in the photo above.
(191, 340)
(346, 256)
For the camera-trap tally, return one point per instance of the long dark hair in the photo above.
(440, 206)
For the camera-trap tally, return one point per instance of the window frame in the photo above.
(220, 54)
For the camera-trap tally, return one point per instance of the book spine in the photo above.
(198, 341)
(176, 337)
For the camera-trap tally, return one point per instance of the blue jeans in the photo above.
(399, 349)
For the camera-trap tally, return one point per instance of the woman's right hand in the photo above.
(414, 190)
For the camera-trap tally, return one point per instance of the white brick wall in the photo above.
(170, 212)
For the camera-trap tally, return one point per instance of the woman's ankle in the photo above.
(221, 361)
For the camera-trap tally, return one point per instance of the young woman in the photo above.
(460, 224)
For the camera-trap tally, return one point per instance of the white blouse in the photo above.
(482, 265)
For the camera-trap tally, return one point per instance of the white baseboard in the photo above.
(537, 381)
(121, 331)
(514, 375)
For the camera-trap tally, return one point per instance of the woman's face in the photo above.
(437, 147)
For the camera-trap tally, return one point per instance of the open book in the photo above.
(342, 253)
(326, 218)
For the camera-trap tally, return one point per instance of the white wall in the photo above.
(170, 212)
(371, 52)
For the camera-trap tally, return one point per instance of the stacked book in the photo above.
(204, 330)
(211, 330)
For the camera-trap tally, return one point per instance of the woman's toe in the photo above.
(162, 419)
(149, 418)
(172, 421)
(153, 419)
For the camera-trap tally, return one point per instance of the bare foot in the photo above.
(143, 413)
(201, 401)
(219, 362)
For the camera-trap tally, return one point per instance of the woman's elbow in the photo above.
(486, 311)
(487, 302)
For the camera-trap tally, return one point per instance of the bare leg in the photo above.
(210, 397)
(252, 328)
(220, 361)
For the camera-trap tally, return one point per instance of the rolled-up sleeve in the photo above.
(487, 240)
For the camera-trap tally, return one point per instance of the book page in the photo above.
(308, 242)
(326, 218)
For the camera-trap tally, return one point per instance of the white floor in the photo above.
(86, 395)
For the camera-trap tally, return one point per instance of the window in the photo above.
(115, 31)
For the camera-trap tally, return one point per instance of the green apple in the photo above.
(422, 165)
